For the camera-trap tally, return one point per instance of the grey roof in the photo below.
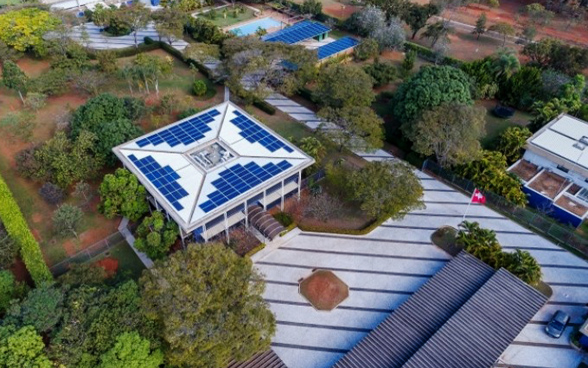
(476, 335)
(406, 329)
(268, 359)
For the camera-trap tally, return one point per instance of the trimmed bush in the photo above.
(265, 107)
(284, 219)
(199, 87)
(18, 229)
(331, 230)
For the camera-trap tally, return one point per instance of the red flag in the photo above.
(478, 197)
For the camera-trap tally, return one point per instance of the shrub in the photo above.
(368, 48)
(17, 228)
(155, 235)
(199, 87)
(66, 220)
(7, 288)
(381, 72)
(51, 193)
(284, 218)
(35, 101)
(135, 107)
(188, 112)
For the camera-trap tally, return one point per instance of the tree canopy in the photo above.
(24, 29)
(553, 54)
(388, 189)
(341, 85)
(22, 348)
(450, 131)
(431, 87)
(122, 195)
(14, 78)
(155, 235)
(359, 127)
(209, 304)
(131, 351)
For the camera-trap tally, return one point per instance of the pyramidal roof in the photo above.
(205, 164)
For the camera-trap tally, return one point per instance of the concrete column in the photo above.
(282, 199)
(204, 233)
(299, 183)
(264, 201)
(226, 226)
(246, 215)
(182, 237)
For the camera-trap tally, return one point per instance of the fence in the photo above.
(540, 223)
(88, 253)
(312, 179)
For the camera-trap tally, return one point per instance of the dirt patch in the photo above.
(37, 217)
(525, 170)
(33, 67)
(549, 184)
(340, 11)
(324, 290)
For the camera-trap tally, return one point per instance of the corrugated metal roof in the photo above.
(400, 335)
(268, 359)
(483, 328)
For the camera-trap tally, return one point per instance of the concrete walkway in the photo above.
(306, 116)
(123, 228)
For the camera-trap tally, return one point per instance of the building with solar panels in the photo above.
(207, 170)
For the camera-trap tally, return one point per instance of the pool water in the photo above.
(251, 28)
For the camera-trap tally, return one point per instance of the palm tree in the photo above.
(479, 242)
(522, 264)
(505, 63)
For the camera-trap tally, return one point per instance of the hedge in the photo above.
(264, 106)
(366, 230)
(18, 229)
(255, 250)
(128, 51)
(429, 55)
(288, 228)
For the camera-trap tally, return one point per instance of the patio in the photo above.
(524, 170)
(548, 184)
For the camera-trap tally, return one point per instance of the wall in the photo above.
(545, 204)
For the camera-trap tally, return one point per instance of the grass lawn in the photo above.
(129, 265)
(495, 125)
(9, 2)
(221, 21)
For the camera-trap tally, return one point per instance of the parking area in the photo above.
(386, 266)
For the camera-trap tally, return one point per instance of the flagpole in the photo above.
(468, 207)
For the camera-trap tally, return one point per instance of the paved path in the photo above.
(309, 118)
(99, 41)
(386, 266)
(123, 228)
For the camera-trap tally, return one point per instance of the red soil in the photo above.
(324, 290)
(109, 264)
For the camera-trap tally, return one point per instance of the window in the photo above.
(561, 168)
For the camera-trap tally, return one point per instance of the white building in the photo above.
(554, 169)
(207, 170)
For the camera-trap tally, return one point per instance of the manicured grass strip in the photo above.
(18, 229)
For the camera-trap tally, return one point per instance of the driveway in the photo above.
(386, 266)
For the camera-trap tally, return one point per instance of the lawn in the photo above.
(495, 125)
(129, 265)
(228, 19)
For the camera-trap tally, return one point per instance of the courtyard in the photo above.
(383, 268)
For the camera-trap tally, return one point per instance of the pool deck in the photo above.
(260, 15)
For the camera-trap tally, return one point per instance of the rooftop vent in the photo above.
(581, 143)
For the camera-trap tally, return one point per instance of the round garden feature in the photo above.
(323, 289)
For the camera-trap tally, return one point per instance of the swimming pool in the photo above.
(251, 28)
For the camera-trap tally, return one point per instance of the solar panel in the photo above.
(186, 132)
(240, 178)
(252, 132)
(298, 32)
(337, 46)
(163, 178)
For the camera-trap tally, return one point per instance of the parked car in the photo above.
(557, 324)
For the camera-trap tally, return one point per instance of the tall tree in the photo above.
(24, 29)
(512, 141)
(505, 63)
(152, 68)
(138, 17)
(480, 27)
(392, 8)
(131, 351)
(66, 219)
(169, 23)
(504, 29)
(14, 78)
(436, 31)
(450, 131)
(208, 302)
(417, 16)
(155, 235)
(42, 309)
(356, 127)
(22, 348)
(341, 85)
(311, 7)
(122, 195)
(391, 36)
(386, 189)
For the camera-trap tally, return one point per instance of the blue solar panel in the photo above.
(239, 179)
(186, 133)
(163, 178)
(254, 133)
(332, 48)
(298, 32)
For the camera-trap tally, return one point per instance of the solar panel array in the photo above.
(239, 179)
(186, 132)
(298, 32)
(332, 48)
(163, 178)
(254, 133)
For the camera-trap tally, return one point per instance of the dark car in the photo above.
(557, 325)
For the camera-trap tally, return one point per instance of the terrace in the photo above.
(548, 184)
(524, 170)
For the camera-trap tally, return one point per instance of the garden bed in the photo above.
(324, 290)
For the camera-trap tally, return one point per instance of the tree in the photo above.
(22, 348)
(450, 131)
(41, 309)
(151, 68)
(538, 14)
(96, 111)
(199, 87)
(323, 206)
(368, 48)
(505, 63)
(14, 78)
(431, 87)
(113, 133)
(391, 8)
(369, 19)
(52, 194)
(122, 195)
(417, 16)
(66, 219)
(522, 88)
(314, 148)
(480, 242)
(504, 29)
(386, 189)
(529, 33)
(356, 127)
(131, 351)
(553, 54)
(436, 31)
(8, 248)
(382, 73)
(24, 29)
(480, 27)
(489, 173)
(568, 100)
(523, 265)
(155, 235)
(202, 52)
(512, 141)
(90, 82)
(7, 289)
(35, 101)
(408, 63)
(311, 7)
(138, 16)
(169, 24)
(341, 85)
(208, 301)
(391, 36)
(80, 274)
